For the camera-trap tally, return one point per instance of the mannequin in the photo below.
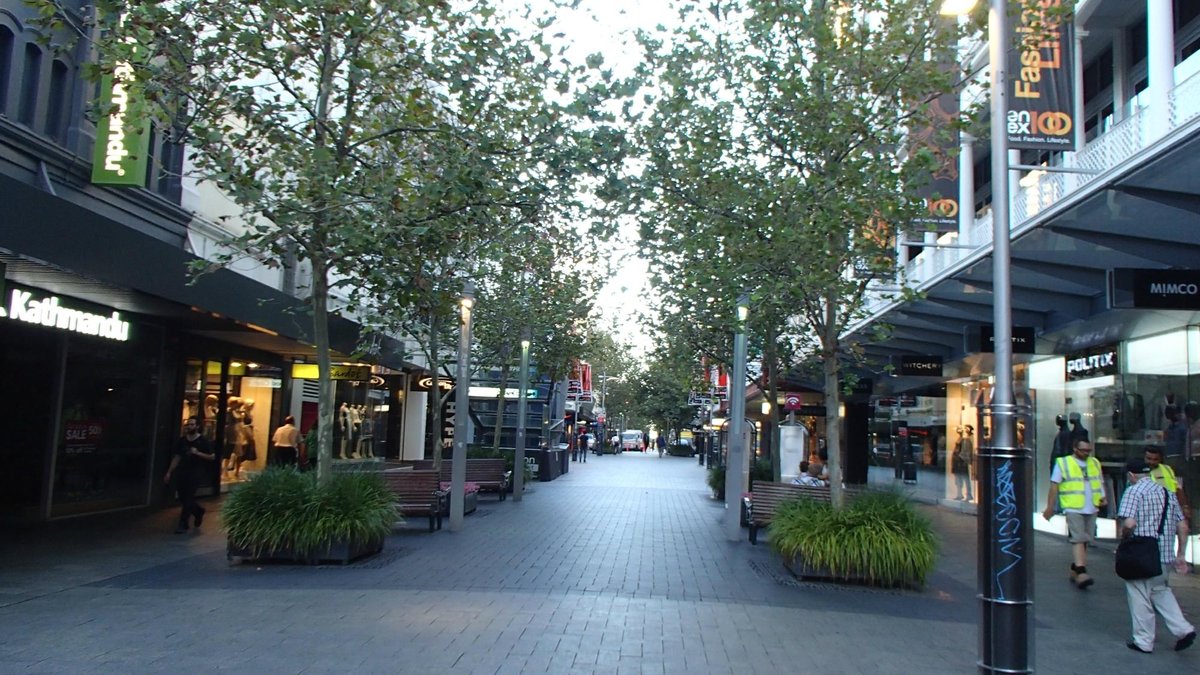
(249, 450)
(1062, 441)
(366, 437)
(210, 417)
(355, 431)
(343, 421)
(965, 488)
(233, 436)
(1078, 431)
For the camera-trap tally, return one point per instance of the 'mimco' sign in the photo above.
(1153, 289)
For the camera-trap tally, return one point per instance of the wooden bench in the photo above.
(417, 494)
(489, 473)
(767, 497)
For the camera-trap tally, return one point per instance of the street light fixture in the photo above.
(519, 451)
(736, 467)
(1005, 506)
(462, 384)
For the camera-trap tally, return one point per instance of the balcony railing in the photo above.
(1040, 191)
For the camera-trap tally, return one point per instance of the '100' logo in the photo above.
(1043, 123)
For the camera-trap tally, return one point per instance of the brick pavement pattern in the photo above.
(620, 566)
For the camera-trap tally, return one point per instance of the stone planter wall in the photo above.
(341, 552)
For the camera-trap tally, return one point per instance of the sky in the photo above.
(603, 26)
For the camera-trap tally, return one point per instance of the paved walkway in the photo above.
(619, 566)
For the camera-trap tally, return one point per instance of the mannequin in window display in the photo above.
(343, 421)
(1191, 449)
(366, 433)
(1062, 440)
(355, 431)
(233, 435)
(249, 452)
(210, 417)
(964, 472)
(1176, 436)
(1078, 431)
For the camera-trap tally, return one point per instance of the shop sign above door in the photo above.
(981, 338)
(309, 371)
(48, 311)
(1153, 289)
(1092, 363)
(921, 366)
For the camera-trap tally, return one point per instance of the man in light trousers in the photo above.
(1141, 511)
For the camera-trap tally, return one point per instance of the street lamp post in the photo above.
(462, 385)
(1005, 525)
(519, 452)
(735, 464)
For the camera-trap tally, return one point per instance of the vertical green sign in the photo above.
(121, 149)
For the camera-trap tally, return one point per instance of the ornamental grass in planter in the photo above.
(878, 539)
(283, 513)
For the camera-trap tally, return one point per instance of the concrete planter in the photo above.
(341, 552)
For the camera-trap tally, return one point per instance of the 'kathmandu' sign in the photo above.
(122, 149)
(49, 312)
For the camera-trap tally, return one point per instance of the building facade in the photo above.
(1106, 316)
(109, 343)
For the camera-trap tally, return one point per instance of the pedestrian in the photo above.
(645, 441)
(585, 440)
(188, 466)
(1164, 476)
(615, 443)
(285, 444)
(661, 442)
(1077, 487)
(1149, 510)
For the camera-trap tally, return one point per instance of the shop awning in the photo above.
(63, 247)
(1147, 216)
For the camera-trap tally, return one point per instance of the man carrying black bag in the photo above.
(1148, 510)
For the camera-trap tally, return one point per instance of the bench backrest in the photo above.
(479, 469)
(413, 487)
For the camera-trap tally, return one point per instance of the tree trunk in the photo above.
(320, 306)
(500, 404)
(833, 400)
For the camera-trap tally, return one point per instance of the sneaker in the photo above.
(1185, 641)
(182, 529)
(199, 517)
(1133, 645)
(1083, 580)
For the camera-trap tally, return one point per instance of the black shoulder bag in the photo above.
(1138, 557)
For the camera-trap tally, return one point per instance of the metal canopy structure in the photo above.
(1147, 217)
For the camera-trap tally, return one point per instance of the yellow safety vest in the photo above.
(1071, 489)
(1165, 476)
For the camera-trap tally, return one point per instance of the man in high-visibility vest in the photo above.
(1164, 476)
(1077, 487)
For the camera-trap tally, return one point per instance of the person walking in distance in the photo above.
(1150, 510)
(1076, 486)
(188, 466)
(286, 443)
(661, 443)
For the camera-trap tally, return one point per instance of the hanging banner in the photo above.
(1041, 114)
(122, 149)
(941, 193)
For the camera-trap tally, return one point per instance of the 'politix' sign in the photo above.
(1092, 363)
(1041, 114)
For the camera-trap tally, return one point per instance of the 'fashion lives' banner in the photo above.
(1041, 113)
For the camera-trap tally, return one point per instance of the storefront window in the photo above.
(102, 455)
(30, 363)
